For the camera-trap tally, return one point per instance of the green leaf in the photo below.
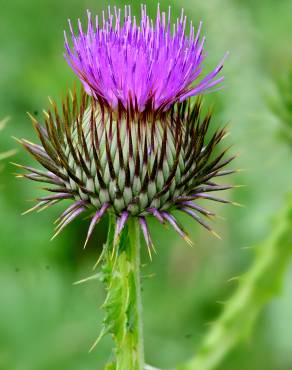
(261, 283)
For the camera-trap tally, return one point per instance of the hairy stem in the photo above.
(261, 283)
(123, 306)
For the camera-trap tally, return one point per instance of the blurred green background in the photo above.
(46, 323)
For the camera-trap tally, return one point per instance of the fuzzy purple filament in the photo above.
(150, 65)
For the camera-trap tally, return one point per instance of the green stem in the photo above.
(123, 303)
(134, 238)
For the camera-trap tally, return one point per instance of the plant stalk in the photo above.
(123, 303)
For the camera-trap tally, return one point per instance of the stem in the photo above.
(134, 238)
(123, 303)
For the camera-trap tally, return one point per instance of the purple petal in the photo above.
(146, 63)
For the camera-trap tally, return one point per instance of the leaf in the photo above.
(261, 283)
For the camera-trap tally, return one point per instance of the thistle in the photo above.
(132, 144)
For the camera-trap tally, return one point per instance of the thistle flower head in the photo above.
(131, 168)
(107, 153)
(147, 65)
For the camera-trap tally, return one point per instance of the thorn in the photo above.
(96, 342)
(188, 240)
(238, 204)
(235, 278)
(30, 210)
(56, 233)
(46, 206)
(216, 235)
(54, 236)
(149, 252)
(16, 139)
(85, 243)
(32, 117)
(92, 277)
(16, 165)
(99, 258)
(46, 113)
(98, 261)
(241, 170)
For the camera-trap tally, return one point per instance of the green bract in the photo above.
(128, 163)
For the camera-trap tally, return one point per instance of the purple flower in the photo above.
(146, 66)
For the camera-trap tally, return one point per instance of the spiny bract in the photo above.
(129, 165)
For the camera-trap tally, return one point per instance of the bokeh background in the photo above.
(46, 323)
